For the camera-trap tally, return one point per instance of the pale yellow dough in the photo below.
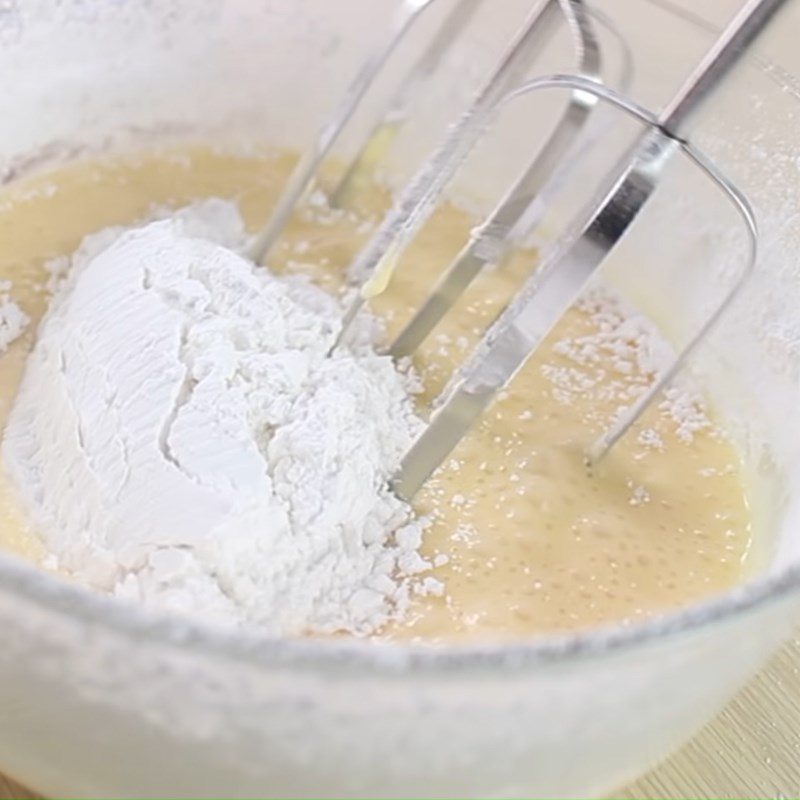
(533, 543)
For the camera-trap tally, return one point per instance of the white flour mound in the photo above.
(184, 440)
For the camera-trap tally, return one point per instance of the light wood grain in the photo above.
(751, 750)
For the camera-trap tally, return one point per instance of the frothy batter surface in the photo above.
(531, 542)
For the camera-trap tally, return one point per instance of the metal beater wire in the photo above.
(418, 200)
(300, 179)
(510, 341)
(738, 200)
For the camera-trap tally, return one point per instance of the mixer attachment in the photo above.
(536, 32)
(559, 280)
(569, 264)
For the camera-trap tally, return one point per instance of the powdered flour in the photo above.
(199, 451)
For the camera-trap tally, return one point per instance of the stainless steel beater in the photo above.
(566, 268)
(535, 33)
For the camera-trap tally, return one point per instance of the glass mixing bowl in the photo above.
(101, 699)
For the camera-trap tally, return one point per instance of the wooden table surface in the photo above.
(751, 750)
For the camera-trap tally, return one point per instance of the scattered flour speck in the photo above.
(636, 352)
(13, 320)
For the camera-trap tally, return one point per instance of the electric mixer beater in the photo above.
(568, 265)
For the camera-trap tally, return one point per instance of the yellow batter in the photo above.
(533, 544)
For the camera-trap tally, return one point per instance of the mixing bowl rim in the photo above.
(264, 650)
